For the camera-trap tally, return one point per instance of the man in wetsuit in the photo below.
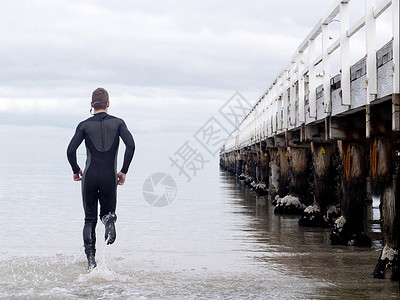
(99, 180)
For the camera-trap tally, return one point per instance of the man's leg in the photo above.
(110, 233)
(90, 199)
(89, 240)
(108, 201)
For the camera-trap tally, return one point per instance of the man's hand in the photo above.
(121, 178)
(77, 176)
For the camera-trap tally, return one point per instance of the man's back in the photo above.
(101, 134)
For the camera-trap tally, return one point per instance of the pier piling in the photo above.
(349, 228)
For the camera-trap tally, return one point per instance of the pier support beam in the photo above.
(232, 162)
(253, 165)
(284, 169)
(265, 159)
(349, 228)
(298, 181)
(385, 165)
(239, 164)
(262, 182)
(292, 181)
(273, 172)
(258, 166)
(324, 211)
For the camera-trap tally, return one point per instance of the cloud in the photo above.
(141, 44)
(168, 63)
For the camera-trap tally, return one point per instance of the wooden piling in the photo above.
(265, 160)
(274, 172)
(384, 177)
(284, 170)
(326, 201)
(239, 164)
(298, 163)
(349, 229)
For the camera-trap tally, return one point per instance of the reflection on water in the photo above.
(277, 240)
(217, 240)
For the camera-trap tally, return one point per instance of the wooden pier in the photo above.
(331, 142)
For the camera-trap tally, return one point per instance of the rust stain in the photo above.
(347, 162)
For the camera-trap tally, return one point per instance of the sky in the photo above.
(156, 58)
(167, 65)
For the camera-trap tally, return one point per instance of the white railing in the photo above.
(276, 112)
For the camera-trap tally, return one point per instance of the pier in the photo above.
(321, 145)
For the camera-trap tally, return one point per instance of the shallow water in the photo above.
(217, 240)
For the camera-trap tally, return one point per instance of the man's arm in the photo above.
(71, 152)
(129, 148)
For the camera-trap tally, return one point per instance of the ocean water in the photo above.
(216, 240)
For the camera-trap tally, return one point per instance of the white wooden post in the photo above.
(312, 79)
(272, 106)
(292, 95)
(345, 52)
(326, 67)
(255, 123)
(300, 65)
(275, 106)
(255, 115)
(372, 81)
(370, 28)
(279, 104)
(255, 127)
(285, 103)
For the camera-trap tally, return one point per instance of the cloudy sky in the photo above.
(154, 57)
(168, 65)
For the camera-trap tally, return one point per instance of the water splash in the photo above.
(103, 272)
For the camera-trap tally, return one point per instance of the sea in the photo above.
(213, 239)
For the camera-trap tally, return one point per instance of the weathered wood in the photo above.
(239, 167)
(302, 133)
(294, 139)
(389, 217)
(270, 142)
(359, 92)
(265, 166)
(385, 70)
(280, 141)
(349, 127)
(396, 112)
(299, 162)
(284, 171)
(320, 103)
(324, 175)
(381, 118)
(324, 209)
(315, 133)
(382, 168)
(274, 172)
(336, 97)
(390, 203)
(354, 193)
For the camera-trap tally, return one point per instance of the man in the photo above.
(99, 181)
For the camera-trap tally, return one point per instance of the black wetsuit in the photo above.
(99, 181)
